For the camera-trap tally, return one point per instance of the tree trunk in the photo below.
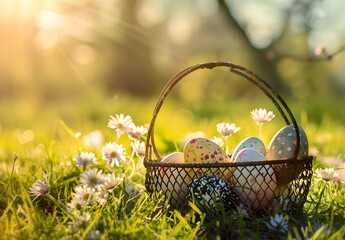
(265, 67)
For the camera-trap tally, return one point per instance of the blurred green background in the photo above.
(81, 60)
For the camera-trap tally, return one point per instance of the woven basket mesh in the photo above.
(284, 186)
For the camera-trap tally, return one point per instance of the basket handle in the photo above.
(233, 68)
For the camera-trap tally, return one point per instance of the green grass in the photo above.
(23, 160)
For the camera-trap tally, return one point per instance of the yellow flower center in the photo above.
(86, 196)
(94, 180)
(113, 154)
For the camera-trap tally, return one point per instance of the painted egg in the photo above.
(254, 185)
(173, 181)
(283, 144)
(251, 142)
(212, 193)
(203, 150)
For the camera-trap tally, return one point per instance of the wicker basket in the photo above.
(292, 177)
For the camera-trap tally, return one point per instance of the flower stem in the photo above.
(226, 145)
(260, 131)
(133, 167)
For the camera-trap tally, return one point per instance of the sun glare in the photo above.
(18, 8)
(47, 20)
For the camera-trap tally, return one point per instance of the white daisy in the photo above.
(84, 217)
(278, 223)
(114, 153)
(76, 204)
(92, 178)
(93, 140)
(94, 235)
(328, 174)
(241, 211)
(285, 203)
(85, 158)
(121, 123)
(227, 129)
(317, 225)
(133, 191)
(80, 220)
(65, 165)
(137, 132)
(39, 188)
(101, 195)
(261, 115)
(218, 140)
(111, 181)
(139, 148)
(84, 195)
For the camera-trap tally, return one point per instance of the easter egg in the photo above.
(282, 146)
(173, 181)
(212, 193)
(175, 157)
(250, 142)
(255, 184)
(203, 150)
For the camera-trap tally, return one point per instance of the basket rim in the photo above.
(295, 161)
(243, 72)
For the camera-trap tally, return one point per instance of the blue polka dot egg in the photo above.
(283, 144)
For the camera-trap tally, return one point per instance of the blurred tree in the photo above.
(132, 69)
(262, 57)
(60, 49)
(271, 58)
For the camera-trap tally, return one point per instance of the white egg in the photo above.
(173, 181)
(254, 185)
(175, 157)
(250, 142)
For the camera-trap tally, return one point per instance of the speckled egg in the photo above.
(212, 193)
(254, 185)
(203, 150)
(283, 144)
(250, 142)
(173, 180)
